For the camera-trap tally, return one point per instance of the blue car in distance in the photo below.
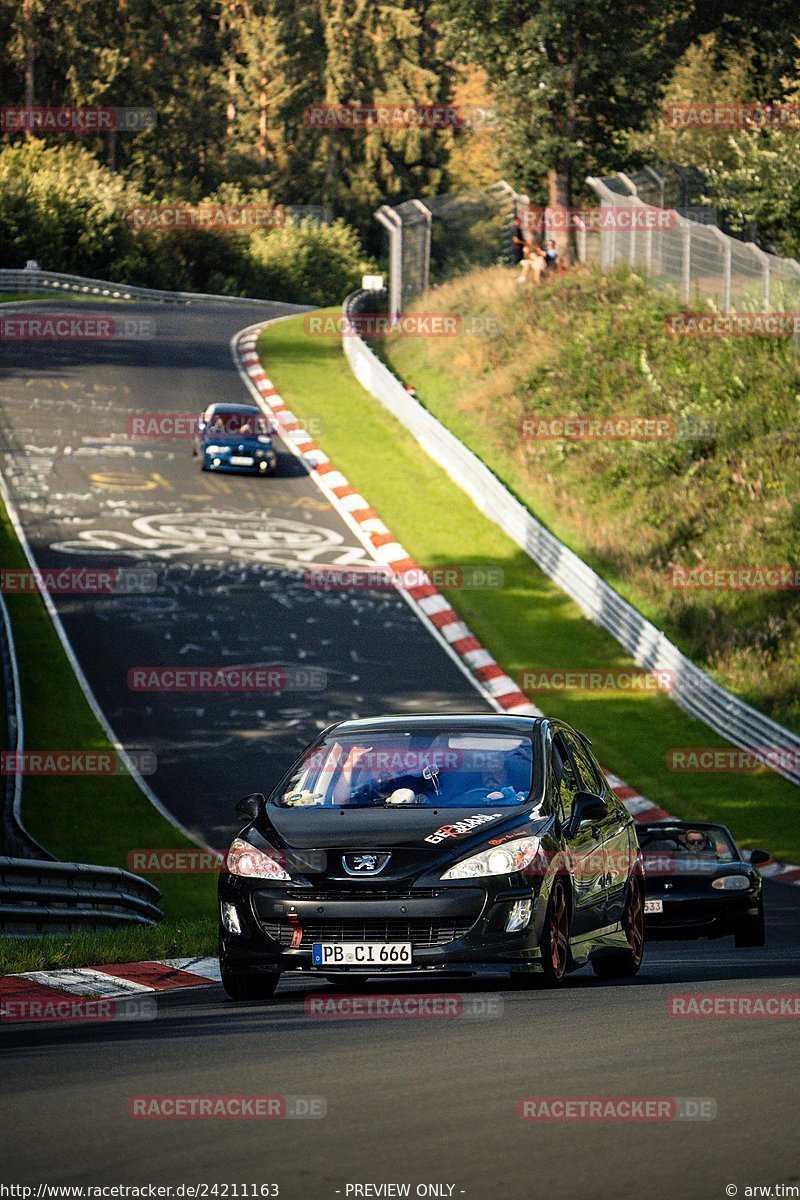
(235, 437)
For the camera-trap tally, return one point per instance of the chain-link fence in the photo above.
(656, 223)
(636, 226)
(435, 239)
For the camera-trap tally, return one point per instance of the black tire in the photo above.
(624, 964)
(554, 943)
(249, 987)
(751, 931)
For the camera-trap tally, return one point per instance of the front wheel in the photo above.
(624, 964)
(249, 987)
(555, 937)
(751, 931)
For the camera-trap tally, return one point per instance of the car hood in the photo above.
(258, 442)
(436, 829)
(670, 865)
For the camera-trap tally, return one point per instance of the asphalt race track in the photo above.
(231, 555)
(430, 1101)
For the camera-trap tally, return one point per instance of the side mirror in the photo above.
(586, 807)
(759, 858)
(250, 806)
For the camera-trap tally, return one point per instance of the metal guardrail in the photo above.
(55, 283)
(39, 897)
(695, 691)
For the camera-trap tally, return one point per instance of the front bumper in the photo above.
(699, 915)
(218, 462)
(457, 926)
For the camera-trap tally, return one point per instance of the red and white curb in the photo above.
(431, 605)
(476, 661)
(78, 993)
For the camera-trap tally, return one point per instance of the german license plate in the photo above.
(238, 461)
(361, 954)
(653, 906)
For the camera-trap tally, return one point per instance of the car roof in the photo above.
(234, 408)
(486, 722)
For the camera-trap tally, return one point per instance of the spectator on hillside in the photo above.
(533, 263)
(550, 251)
(518, 242)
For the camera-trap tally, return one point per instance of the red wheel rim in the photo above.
(559, 933)
(634, 921)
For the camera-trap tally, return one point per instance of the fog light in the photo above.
(230, 917)
(263, 466)
(216, 462)
(519, 916)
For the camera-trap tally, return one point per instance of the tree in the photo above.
(386, 54)
(572, 73)
(758, 178)
(704, 73)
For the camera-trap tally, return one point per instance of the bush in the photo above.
(311, 264)
(59, 206)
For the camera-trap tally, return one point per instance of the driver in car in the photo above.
(496, 781)
(695, 841)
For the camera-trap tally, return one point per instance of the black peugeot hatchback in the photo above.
(425, 844)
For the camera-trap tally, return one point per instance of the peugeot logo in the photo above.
(364, 864)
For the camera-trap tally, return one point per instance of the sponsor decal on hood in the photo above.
(459, 827)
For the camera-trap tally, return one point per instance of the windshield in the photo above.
(237, 425)
(688, 844)
(466, 770)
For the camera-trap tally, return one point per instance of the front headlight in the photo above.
(499, 860)
(244, 859)
(218, 449)
(731, 883)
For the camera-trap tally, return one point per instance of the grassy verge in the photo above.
(93, 819)
(172, 939)
(528, 624)
(722, 491)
